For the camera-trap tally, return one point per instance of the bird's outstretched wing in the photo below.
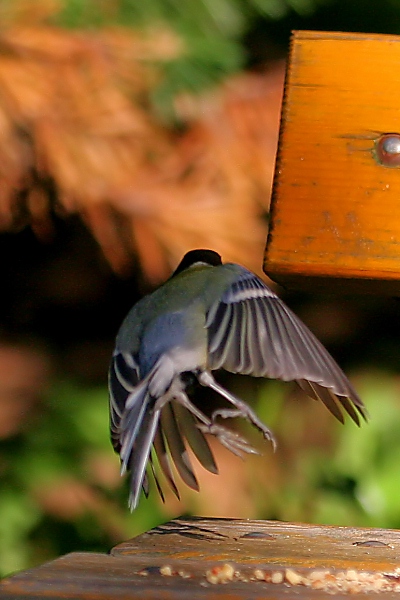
(251, 331)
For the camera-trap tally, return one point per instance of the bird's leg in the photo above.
(230, 439)
(176, 392)
(242, 409)
(183, 399)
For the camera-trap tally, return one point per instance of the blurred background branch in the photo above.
(130, 133)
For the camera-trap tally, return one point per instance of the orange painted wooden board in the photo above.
(225, 559)
(336, 209)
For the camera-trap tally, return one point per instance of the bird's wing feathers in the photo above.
(251, 331)
(123, 377)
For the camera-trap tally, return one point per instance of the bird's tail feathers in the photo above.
(140, 454)
(166, 427)
(137, 430)
(131, 422)
(177, 425)
(164, 462)
(176, 445)
(195, 438)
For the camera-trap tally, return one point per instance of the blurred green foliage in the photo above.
(223, 36)
(223, 18)
(351, 478)
(212, 33)
(53, 458)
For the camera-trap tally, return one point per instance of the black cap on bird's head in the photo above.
(206, 257)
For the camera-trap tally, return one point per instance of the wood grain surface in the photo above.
(336, 208)
(187, 558)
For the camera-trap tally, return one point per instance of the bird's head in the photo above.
(197, 258)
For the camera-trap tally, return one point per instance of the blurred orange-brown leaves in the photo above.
(77, 134)
(24, 377)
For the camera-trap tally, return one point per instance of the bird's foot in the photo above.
(230, 439)
(244, 411)
(241, 408)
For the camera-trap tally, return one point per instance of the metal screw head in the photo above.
(387, 149)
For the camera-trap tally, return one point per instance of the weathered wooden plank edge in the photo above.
(309, 34)
(186, 549)
(89, 576)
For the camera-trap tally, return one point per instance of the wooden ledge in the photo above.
(194, 557)
(335, 211)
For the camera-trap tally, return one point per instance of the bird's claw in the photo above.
(230, 439)
(246, 413)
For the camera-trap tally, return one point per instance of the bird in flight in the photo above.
(207, 316)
